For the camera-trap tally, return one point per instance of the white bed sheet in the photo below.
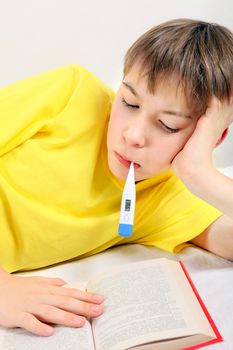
(213, 277)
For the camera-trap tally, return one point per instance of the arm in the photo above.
(194, 165)
(195, 168)
(216, 189)
(26, 107)
(218, 238)
(32, 302)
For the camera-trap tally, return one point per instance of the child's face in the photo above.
(147, 129)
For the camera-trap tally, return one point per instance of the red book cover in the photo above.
(214, 327)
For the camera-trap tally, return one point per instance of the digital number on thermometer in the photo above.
(127, 204)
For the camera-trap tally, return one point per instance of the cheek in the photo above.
(168, 151)
(171, 146)
(114, 125)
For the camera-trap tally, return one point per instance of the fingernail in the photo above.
(79, 321)
(99, 298)
(97, 309)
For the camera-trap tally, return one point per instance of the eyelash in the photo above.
(171, 130)
(167, 128)
(129, 105)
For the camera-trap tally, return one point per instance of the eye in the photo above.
(128, 105)
(167, 128)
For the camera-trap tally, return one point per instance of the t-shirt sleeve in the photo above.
(28, 105)
(179, 218)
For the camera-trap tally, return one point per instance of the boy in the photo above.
(64, 162)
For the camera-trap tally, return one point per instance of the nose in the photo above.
(134, 135)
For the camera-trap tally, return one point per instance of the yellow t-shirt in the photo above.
(59, 200)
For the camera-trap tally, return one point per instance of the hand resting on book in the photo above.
(32, 302)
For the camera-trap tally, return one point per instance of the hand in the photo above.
(195, 159)
(32, 302)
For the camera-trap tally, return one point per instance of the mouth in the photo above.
(125, 161)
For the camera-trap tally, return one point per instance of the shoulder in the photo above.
(90, 81)
(68, 77)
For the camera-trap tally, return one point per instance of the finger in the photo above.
(33, 325)
(51, 314)
(73, 305)
(79, 294)
(52, 281)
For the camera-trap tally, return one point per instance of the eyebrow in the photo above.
(134, 92)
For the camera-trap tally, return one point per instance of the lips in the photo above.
(125, 161)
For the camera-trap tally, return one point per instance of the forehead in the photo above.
(167, 89)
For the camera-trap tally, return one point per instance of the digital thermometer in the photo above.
(128, 205)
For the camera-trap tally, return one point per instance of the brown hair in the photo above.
(198, 53)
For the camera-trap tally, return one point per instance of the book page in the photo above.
(140, 306)
(64, 338)
(195, 315)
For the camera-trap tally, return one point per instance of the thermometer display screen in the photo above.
(127, 204)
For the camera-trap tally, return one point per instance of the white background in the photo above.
(37, 35)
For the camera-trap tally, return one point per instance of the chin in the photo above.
(118, 172)
(121, 173)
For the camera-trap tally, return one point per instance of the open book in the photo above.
(149, 305)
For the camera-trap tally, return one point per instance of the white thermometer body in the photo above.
(128, 205)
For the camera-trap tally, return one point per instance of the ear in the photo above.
(224, 135)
